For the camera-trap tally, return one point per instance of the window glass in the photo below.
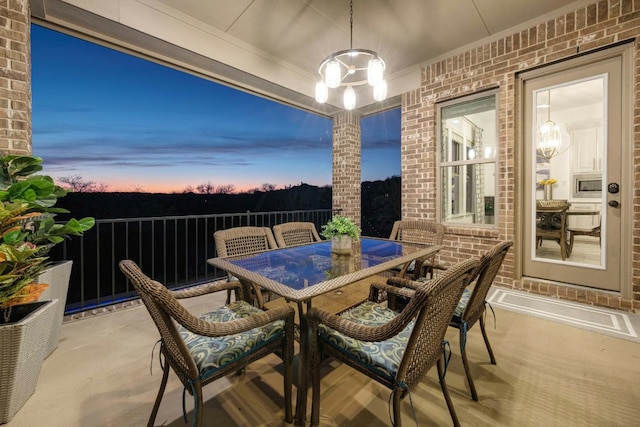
(468, 139)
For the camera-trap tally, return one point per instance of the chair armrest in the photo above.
(355, 330)
(431, 268)
(218, 329)
(399, 282)
(246, 323)
(389, 289)
(209, 288)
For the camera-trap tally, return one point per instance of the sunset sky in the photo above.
(132, 124)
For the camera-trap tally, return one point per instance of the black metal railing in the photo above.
(173, 250)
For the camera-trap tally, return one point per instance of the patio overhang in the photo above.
(273, 50)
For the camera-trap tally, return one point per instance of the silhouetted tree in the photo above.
(225, 189)
(77, 184)
(206, 188)
(268, 187)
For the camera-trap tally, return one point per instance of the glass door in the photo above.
(572, 152)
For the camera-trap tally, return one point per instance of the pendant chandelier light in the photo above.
(550, 143)
(351, 68)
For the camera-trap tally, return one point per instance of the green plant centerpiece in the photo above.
(28, 229)
(342, 232)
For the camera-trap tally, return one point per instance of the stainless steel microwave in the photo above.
(587, 185)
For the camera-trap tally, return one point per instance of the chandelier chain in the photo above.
(351, 25)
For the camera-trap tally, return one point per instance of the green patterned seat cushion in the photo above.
(462, 305)
(382, 357)
(213, 353)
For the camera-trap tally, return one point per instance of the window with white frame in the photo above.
(468, 141)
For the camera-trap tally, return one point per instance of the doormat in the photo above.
(595, 319)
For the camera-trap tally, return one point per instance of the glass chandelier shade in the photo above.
(322, 92)
(351, 68)
(333, 76)
(349, 98)
(549, 141)
(375, 72)
(380, 91)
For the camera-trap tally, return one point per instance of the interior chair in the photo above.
(394, 349)
(203, 349)
(241, 241)
(575, 231)
(471, 307)
(418, 231)
(551, 224)
(295, 233)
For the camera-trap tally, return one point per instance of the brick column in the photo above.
(347, 171)
(15, 77)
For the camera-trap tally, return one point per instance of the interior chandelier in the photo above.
(348, 68)
(550, 142)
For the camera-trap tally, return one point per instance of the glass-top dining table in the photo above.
(301, 273)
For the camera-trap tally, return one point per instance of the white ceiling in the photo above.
(274, 47)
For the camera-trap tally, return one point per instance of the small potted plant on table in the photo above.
(342, 232)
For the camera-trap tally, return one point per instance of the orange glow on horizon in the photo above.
(173, 188)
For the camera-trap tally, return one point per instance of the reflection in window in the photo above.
(468, 142)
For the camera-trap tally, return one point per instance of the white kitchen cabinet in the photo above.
(587, 148)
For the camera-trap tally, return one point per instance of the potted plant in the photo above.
(341, 231)
(28, 231)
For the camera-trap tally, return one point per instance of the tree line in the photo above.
(77, 184)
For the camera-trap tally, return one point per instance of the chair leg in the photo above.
(397, 401)
(163, 385)
(571, 241)
(198, 409)
(288, 387)
(445, 392)
(315, 394)
(486, 340)
(465, 362)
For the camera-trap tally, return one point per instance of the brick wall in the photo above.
(15, 77)
(346, 164)
(493, 65)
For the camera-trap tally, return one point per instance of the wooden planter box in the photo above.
(23, 347)
(57, 276)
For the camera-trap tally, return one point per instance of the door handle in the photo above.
(613, 203)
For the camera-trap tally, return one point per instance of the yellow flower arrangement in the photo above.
(549, 181)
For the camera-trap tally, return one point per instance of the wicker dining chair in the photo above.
(295, 233)
(471, 307)
(203, 349)
(418, 231)
(394, 349)
(241, 241)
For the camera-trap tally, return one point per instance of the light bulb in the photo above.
(322, 92)
(380, 91)
(375, 71)
(349, 98)
(332, 74)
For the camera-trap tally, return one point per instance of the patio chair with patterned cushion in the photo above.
(418, 231)
(295, 233)
(471, 307)
(203, 349)
(241, 241)
(394, 349)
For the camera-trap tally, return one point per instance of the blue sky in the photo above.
(132, 124)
